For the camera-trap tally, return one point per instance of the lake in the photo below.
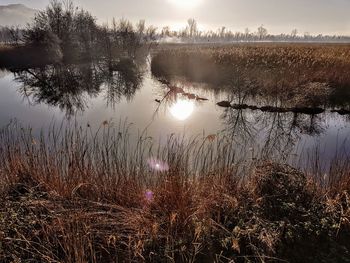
(81, 94)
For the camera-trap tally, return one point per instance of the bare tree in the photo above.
(151, 36)
(247, 33)
(294, 33)
(192, 27)
(15, 34)
(165, 31)
(141, 27)
(222, 31)
(262, 32)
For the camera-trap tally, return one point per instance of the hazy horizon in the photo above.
(313, 16)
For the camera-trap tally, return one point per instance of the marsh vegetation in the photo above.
(116, 148)
(303, 75)
(75, 196)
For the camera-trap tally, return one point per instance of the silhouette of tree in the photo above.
(192, 27)
(262, 32)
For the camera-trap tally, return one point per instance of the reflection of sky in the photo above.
(3, 73)
(140, 111)
(181, 116)
(13, 106)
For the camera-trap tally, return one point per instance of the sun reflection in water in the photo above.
(182, 109)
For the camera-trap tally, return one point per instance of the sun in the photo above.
(186, 4)
(182, 109)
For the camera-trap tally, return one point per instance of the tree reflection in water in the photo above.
(256, 134)
(70, 86)
(268, 134)
(123, 81)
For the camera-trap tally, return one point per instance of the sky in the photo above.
(278, 16)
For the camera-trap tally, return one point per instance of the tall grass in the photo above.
(294, 74)
(72, 194)
(66, 156)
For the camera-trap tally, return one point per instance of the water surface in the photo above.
(40, 97)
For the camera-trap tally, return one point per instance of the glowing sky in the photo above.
(314, 16)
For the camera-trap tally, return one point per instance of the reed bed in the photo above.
(72, 194)
(300, 74)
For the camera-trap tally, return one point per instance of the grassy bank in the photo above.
(71, 195)
(304, 75)
(19, 57)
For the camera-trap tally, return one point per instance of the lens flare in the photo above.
(149, 196)
(157, 165)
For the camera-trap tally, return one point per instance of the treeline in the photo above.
(74, 33)
(11, 35)
(71, 33)
(191, 33)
